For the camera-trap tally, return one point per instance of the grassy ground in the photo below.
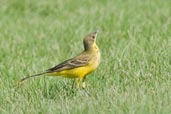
(135, 72)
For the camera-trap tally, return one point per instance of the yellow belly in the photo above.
(79, 72)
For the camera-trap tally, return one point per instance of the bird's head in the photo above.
(90, 40)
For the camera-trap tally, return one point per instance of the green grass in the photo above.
(134, 76)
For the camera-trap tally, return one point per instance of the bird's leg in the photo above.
(83, 83)
(78, 82)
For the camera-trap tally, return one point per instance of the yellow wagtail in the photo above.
(79, 66)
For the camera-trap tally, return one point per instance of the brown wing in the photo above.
(71, 63)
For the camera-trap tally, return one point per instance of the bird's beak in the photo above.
(97, 31)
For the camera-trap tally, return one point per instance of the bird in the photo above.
(79, 66)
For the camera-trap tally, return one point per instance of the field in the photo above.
(134, 76)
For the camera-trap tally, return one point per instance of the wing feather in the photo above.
(71, 63)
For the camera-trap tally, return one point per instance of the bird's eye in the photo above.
(93, 37)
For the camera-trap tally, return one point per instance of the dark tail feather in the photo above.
(32, 76)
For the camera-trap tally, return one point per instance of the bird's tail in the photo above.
(32, 76)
